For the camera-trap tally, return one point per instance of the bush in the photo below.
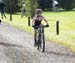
(67, 4)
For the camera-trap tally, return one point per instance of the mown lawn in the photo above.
(67, 27)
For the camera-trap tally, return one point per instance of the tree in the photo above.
(11, 5)
(67, 4)
(41, 4)
(48, 4)
(45, 4)
(73, 4)
(31, 6)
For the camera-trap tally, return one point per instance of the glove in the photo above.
(47, 25)
(33, 25)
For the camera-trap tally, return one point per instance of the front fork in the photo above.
(41, 35)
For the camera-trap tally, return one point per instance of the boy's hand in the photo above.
(33, 25)
(47, 25)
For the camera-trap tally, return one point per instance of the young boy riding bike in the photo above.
(37, 21)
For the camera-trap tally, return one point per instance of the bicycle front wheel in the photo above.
(41, 43)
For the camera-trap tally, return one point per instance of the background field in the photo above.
(67, 27)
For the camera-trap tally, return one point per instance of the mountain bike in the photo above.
(40, 37)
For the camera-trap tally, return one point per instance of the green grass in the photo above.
(67, 27)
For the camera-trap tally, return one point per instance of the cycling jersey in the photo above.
(38, 20)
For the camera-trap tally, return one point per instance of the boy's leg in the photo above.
(35, 37)
(2, 15)
(21, 14)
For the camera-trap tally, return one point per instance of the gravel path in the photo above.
(16, 46)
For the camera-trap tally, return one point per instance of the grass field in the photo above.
(67, 27)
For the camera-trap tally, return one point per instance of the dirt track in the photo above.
(16, 46)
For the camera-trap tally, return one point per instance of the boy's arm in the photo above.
(33, 20)
(45, 21)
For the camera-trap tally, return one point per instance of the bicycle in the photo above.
(40, 38)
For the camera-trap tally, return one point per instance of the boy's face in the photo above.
(39, 14)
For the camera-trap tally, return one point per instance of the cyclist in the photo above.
(37, 20)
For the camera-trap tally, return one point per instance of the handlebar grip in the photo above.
(47, 25)
(33, 26)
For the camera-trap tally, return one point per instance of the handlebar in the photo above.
(41, 26)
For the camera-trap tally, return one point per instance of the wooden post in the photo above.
(28, 21)
(10, 6)
(10, 16)
(0, 21)
(57, 27)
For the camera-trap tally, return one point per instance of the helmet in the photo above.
(39, 11)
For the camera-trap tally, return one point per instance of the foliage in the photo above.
(31, 6)
(67, 4)
(45, 4)
(11, 6)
